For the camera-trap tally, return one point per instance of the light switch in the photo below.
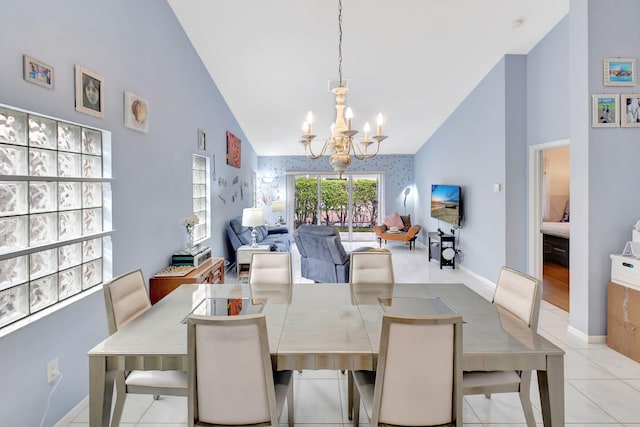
(496, 188)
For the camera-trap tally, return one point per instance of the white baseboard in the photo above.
(477, 276)
(591, 339)
(73, 413)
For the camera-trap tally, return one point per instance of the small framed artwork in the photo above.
(630, 116)
(37, 72)
(213, 167)
(136, 112)
(234, 150)
(619, 71)
(89, 92)
(202, 140)
(605, 111)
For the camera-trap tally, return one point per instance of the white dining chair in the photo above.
(126, 298)
(519, 295)
(418, 378)
(231, 378)
(271, 276)
(373, 266)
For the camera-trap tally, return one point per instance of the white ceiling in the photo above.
(413, 60)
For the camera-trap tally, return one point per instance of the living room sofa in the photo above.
(278, 238)
(397, 227)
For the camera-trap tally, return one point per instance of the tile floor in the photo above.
(602, 387)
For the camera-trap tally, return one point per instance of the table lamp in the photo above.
(278, 206)
(253, 217)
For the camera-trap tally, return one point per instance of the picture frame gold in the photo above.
(38, 72)
(89, 92)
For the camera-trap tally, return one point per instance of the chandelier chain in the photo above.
(340, 43)
(342, 143)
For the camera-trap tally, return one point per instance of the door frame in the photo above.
(535, 204)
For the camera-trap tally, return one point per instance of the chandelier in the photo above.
(342, 141)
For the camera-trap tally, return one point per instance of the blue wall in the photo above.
(135, 46)
(604, 161)
(469, 150)
(548, 73)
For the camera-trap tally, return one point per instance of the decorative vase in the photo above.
(190, 246)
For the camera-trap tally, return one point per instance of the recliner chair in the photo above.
(323, 258)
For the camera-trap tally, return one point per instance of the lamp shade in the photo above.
(252, 217)
(277, 206)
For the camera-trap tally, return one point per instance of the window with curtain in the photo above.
(55, 211)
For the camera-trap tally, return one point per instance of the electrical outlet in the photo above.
(52, 370)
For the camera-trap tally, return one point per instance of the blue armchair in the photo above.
(323, 258)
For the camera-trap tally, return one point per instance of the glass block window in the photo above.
(201, 200)
(52, 208)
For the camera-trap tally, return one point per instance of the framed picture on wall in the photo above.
(619, 71)
(37, 72)
(605, 111)
(136, 112)
(89, 92)
(234, 150)
(630, 115)
(202, 140)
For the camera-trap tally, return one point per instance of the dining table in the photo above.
(327, 326)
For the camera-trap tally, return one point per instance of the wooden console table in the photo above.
(211, 271)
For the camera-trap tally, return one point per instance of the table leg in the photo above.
(350, 394)
(551, 387)
(100, 392)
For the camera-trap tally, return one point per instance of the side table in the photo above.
(243, 258)
(438, 243)
(211, 271)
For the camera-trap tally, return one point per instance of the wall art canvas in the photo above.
(38, 72)
(620, 72)
(89, 92)
(605, 111)
(233, 150)
(136, 112)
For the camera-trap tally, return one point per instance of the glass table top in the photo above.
(217, 306)
(413, 306)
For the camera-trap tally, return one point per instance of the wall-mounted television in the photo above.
(446, 203)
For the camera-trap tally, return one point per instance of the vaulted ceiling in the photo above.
(413, 60)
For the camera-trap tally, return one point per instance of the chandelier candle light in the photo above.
(341, 143)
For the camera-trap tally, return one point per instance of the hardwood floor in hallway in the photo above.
(555, 286)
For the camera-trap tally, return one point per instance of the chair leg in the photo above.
(121, 392)
(290, 403)
(525, 398)
(355, 404)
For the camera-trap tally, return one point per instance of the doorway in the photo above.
(550, 220)
(351, 204)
